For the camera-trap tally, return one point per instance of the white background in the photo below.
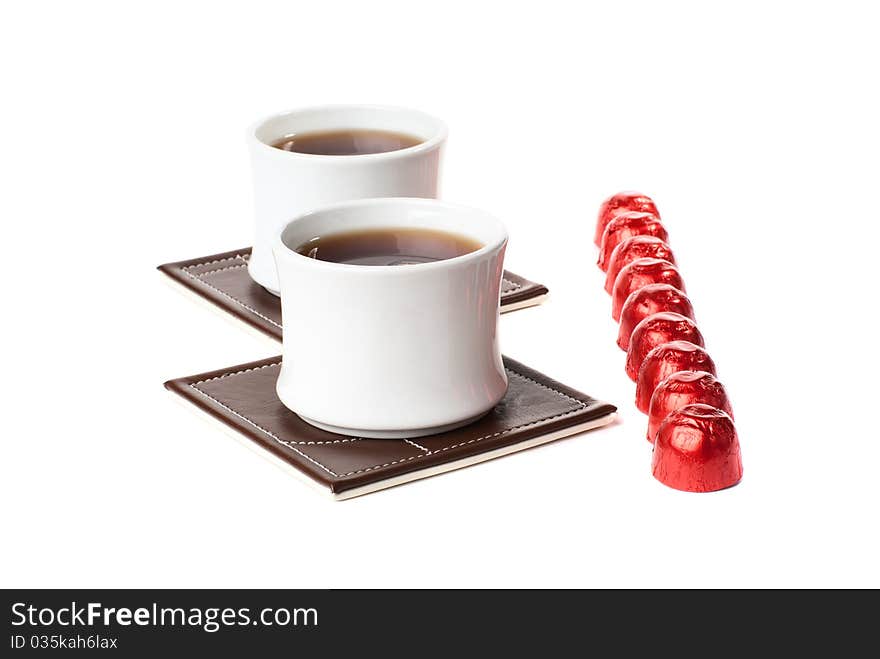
(755, 129)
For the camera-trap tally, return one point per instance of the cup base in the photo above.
(392, 434)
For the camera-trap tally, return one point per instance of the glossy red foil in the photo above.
(655, 330)
(626, 225)
(663, 361)
(684, 388)
(629, 200)
(637, 247)
(649, 300)
(697, 450)
(641, 273)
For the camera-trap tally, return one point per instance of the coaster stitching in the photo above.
(230, 297)
(292, 445)
(228, 267)
(283, 442)
(418, 446)
(212, 262)
(544, 386)
(253, 423)
(470, 441)
(229, 375)
(286, 442)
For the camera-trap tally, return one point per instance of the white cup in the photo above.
(391, 351)
(287, 184)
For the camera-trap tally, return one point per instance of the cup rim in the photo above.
(280, 247)
(439, 136)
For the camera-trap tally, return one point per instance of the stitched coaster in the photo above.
(535, 410)
(223, 279)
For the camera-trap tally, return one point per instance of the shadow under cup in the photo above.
(391, 351)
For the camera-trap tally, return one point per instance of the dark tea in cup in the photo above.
(392, 246)
(346, 142)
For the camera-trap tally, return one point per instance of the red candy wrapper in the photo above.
(626, 225)
(663, 361)
(655, 330)
(648, 300)
(637, 247)
(684, 388)
(641, 273)
(620, 203)
(697, 450)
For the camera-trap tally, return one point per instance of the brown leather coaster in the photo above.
(223, 280)
(536, 410)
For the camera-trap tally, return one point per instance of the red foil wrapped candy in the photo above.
(697, 450)
(628, 200)
(663, 361)
(684, 388)
(637, 247)
(648, 300)
(655, 330)
(641, 273)
(626, 225)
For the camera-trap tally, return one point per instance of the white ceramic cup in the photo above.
(391, 351)
(287, 184)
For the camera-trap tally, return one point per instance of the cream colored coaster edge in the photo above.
(475, 459)
(402, 478)
(525, 304)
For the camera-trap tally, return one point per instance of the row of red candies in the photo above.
(690, 420)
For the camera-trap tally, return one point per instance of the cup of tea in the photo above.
(391, 311)
(307, 158)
